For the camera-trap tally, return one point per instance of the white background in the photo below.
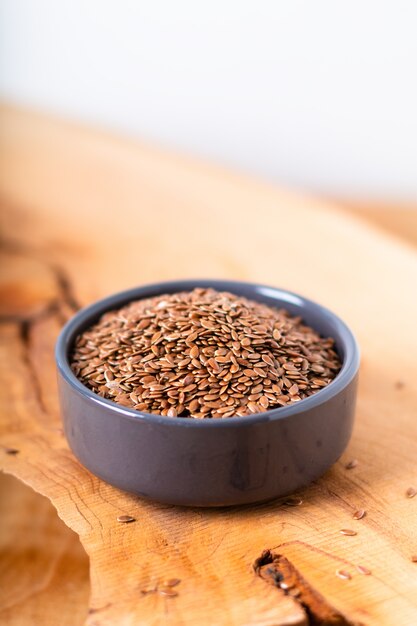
(318, 94)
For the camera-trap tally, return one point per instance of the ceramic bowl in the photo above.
(211, 462)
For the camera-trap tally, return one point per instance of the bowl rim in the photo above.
(345, 376)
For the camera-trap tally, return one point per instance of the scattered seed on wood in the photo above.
(276, 334)
(125, 519)
(359, 514)
(353, 463)
(363, 570)
(347, 531)
(172, 582)
(170, 593)
(11, 451)
(343, 574)
(411, 492)
(293, 501)
(158, 354)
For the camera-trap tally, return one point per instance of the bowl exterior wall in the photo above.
(211, 462)
(239, 463)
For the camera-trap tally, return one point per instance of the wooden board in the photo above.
(397, 219)
(44, 573)
(85, 214)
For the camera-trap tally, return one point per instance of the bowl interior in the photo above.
(319, 318)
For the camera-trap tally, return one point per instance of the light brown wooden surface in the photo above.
(85, 214)
(44, 571)
(399, 219)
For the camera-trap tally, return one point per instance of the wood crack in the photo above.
(64, 301)
(277, 570)
(24, 333)
(65, 288)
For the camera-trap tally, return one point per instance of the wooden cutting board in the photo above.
(85, 214)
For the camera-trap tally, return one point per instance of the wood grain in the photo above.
(85, 214)
(398, 219)
(44, 572)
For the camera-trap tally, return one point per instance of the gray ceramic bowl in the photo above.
(211, 462)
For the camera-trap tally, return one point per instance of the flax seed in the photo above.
(167, 591)
(172, 582)
(194, 352)
(264, 402)
(343, 574)
(125, 519)
(351, 465)
(293, 501)
(11, 451)
(165, 354)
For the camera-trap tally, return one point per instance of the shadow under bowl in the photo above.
(211, 462)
